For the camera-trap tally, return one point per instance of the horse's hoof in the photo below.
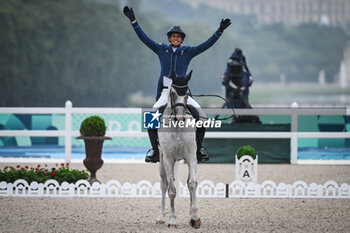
(172, 225)
(159, 222)
(195, 223)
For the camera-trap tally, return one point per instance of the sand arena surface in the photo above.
(217, 215)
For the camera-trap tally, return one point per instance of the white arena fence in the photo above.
(293, 112)
(145, 189)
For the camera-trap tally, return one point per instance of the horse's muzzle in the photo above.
(179, 110)
(180, 117)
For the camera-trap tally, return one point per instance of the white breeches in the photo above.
(164, 97)
(190, 101)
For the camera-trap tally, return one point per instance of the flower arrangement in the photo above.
(246, 150)
(93, 126)
(41, 174)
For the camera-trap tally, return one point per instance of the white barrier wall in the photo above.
(145, 189)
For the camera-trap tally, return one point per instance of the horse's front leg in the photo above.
(169, 169)
(163, 186)
(192, 186)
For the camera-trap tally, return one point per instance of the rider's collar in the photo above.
(174, 48)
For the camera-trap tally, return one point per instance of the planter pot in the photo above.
(93, 151)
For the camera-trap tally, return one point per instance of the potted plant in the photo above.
(246, 150)
(93, 130)
(246, 169)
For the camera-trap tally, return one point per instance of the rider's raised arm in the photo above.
(208, 43)
(144, 38)
(128, 12)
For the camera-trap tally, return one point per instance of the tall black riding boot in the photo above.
(200, 132)
(153, 137)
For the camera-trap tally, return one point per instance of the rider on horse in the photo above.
(174, 57)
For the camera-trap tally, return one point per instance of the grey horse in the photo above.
(177, 141)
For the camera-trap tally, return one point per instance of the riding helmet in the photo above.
(176, 29)
(238, 51)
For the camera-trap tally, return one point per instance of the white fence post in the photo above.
(294, 148)
(294, 138)
(68, 133)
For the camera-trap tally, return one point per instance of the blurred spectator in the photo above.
(237, 79)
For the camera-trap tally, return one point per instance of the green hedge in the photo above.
(93, 126)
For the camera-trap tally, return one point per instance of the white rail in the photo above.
(145, 189)
(68, 110)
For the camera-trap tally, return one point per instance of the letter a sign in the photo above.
(247, 169)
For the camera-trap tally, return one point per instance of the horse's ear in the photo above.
(188, 77)
(172, 75)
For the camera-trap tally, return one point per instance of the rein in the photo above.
(203, 95)
(226, 103)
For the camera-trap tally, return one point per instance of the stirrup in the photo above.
(153, 158)
(202, 157)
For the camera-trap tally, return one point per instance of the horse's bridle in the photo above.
(173, 106)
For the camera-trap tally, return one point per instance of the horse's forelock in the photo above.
(180, 85)
(181, 91)
(180, 81)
